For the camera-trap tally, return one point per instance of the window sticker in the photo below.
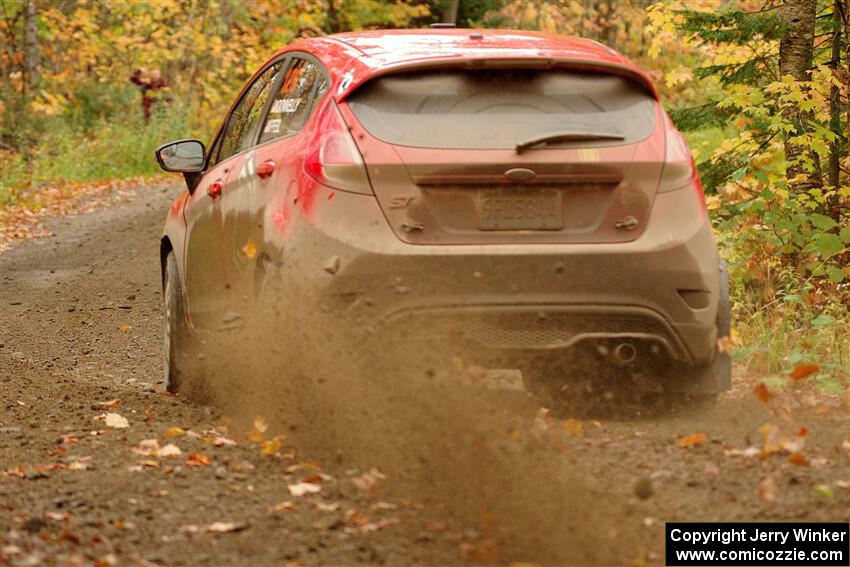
(272, 126)
(285, 105)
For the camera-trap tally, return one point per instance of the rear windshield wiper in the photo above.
(566, 137)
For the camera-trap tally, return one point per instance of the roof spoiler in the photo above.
(591, 66)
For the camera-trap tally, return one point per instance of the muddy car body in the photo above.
(511, 194)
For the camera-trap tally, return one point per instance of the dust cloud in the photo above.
(464, 441)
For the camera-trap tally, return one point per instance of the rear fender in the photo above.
(174, 238)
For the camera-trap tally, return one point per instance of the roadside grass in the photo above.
(115, 147)
(797, 324)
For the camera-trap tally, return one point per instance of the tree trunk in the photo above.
(835, 96)
(795, 60)
(450, 12)
(32, 56)
(332, 21)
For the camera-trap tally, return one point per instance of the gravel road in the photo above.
(98, 466)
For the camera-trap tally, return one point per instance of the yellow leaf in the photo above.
(125, 328)
(258, 430)
(573, 427)
(250, 249)
(271, 446)
(175, 432)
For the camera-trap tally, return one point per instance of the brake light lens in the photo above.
(335, 161)
(680, 170)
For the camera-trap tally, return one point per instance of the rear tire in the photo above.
(177, 335)
(722, 364)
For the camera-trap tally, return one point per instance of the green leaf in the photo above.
(829, 244)
(836, 274)
(823, 491)
(822, 320)
(822, 222)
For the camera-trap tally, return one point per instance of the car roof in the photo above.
(398, 46)
(366, 54)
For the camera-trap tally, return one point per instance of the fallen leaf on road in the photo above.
(804, 369)
(768, 488)
(270, 447)
(197, 460)
(283, 506)
(355, 518)
(748, 452)
(823, 491)
(322, 507)
(170, 450)
(798, 459)
(846, 444)
(77, 466)
(114, 420)
(221, 441)
(303, 488)
(258, 430)
(147, 447)
(573, 427)
(225, 527)
(68, 536)
(370, 481)
(110, 404)
(299, 466)
(125, 328)
(821, 462)
(762, 392)
(151, 448)
(776, 441)
(175, 432)
(693, 440)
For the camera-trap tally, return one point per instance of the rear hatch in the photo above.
(479, 156)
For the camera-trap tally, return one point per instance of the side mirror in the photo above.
(182, 156)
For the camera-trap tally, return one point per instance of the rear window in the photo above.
(499, 108)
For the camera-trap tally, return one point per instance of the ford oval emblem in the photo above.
(520, 174)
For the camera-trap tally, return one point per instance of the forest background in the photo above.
(759, 87)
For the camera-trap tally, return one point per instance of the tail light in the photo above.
(336, 162)
(680, 170)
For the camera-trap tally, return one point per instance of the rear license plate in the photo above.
(520, 208)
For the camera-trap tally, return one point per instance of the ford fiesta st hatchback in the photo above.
(519, 198)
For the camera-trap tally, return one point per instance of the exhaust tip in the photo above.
(625, 353)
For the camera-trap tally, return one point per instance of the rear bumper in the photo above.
(510, 297)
